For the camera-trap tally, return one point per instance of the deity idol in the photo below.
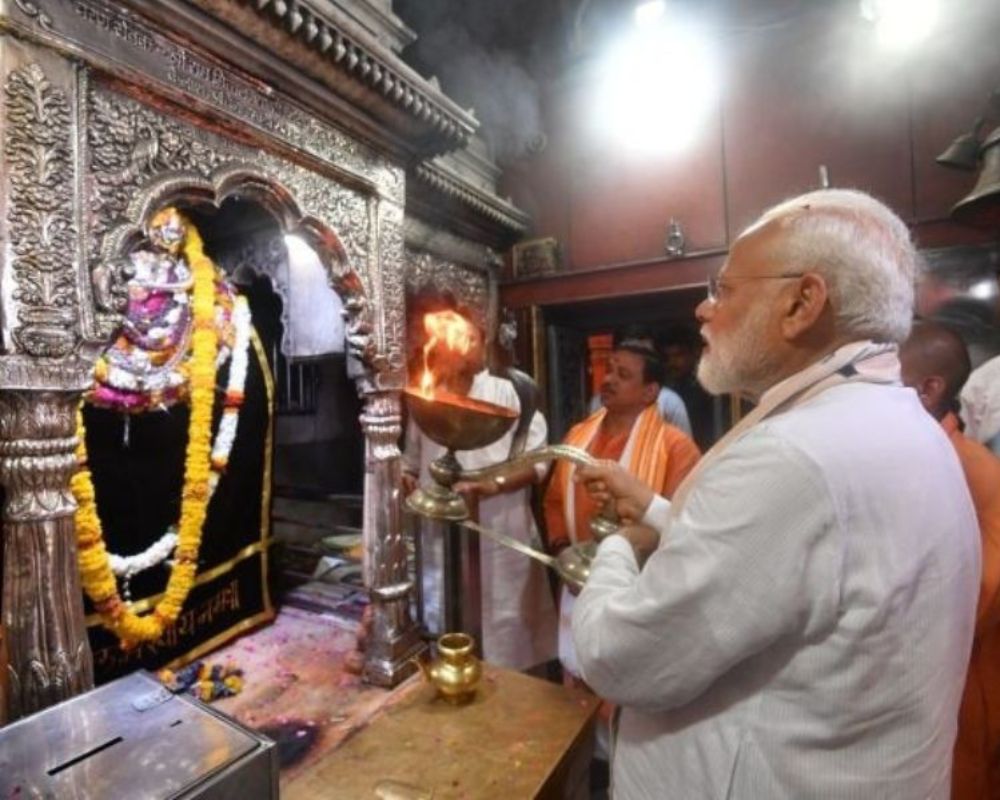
(184, 344)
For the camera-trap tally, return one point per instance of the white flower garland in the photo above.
(127, 567)
(226, 434)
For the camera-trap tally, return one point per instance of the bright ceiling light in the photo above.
(658, 86)
(901, 24)
(984, 289)
(649, 12)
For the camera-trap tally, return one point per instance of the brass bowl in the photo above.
(457, 422)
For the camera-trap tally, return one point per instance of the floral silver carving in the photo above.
(127, 144)
(326, 203)
(392, 297)
(117, 36)
(130, 143)
(31, 9)
(38, 156)
(371, 77)
(141, 159)
(427, 272)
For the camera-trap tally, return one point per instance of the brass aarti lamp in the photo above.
(457, 423)
(461, 423)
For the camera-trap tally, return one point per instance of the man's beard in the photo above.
(739, 361)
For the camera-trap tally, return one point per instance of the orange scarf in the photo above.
(643, 456)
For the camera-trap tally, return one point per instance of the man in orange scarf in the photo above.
(630, 430)
(936, 364)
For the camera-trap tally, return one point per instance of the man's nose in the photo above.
(703, 313)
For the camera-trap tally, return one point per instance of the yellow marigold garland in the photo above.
(95, 568)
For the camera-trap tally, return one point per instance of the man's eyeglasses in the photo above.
(717, 283)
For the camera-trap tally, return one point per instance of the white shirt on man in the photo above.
(981, 404)
(519, 621)
(804, 628)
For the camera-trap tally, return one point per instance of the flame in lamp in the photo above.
(449, 330)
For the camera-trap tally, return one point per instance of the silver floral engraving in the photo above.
(30, 9)
(427, 272)
(140, 158)
(38, 153)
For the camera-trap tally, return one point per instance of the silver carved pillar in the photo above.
(49, 655)
(46, 355)
(394, 639)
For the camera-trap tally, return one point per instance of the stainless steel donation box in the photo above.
(134, 740)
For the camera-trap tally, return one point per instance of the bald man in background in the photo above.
(936, 364)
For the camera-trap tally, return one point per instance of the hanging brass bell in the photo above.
(981, 207)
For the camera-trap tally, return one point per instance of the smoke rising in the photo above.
(456, 45)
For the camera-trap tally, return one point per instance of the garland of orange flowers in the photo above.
(95, 568)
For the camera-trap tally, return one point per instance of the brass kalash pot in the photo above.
(461, 423)
(455, 673)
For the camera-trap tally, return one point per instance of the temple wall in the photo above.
(106, 116)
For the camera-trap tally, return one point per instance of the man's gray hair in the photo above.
(864, 253)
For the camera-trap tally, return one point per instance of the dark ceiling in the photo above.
(509, 25)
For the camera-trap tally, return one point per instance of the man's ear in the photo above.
(805, 305)
(650, 392)
(932, 390)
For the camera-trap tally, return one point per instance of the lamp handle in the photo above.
(602, 525)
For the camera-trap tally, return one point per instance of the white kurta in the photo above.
(518, 611)
(804, 629)
(981, 404)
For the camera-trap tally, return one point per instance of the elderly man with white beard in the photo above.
(797, 621)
